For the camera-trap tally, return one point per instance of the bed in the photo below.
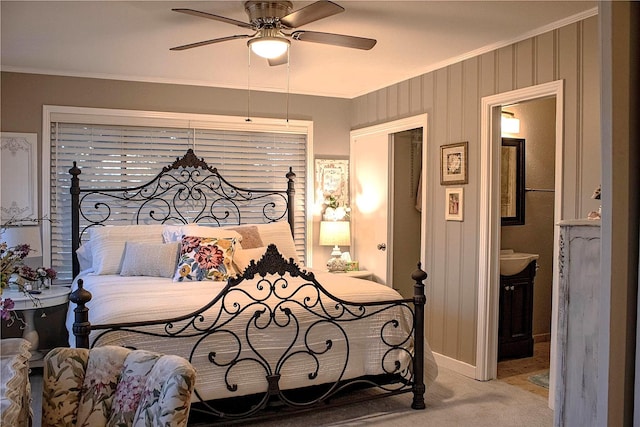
(175, 266)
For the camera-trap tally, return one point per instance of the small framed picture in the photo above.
(453, 164)
(454, 204)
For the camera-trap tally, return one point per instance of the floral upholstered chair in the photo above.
(115, 386)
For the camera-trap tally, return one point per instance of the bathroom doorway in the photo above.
(490, 222)
(533, 233)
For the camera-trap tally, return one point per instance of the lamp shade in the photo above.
(335, 233)
(24, 235)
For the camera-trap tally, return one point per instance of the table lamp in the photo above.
(20, 235)
(335, 233)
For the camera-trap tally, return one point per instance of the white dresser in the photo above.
(579, 288)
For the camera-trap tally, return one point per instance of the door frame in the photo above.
(389, 128)
(489, 227)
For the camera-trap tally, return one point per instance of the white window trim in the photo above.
(54, 113)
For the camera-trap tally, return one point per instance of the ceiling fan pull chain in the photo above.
(248, 119)
(288, 74)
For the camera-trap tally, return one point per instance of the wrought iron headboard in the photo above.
(186, 191)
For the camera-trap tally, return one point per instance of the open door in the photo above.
(370, 209)
(371, 155)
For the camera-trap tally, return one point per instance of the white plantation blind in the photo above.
(112, 156)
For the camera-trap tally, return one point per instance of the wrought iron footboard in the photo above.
(275, 298)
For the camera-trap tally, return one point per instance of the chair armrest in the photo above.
(64, 371)
(167, 397)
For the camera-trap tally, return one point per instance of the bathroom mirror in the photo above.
(512, 181)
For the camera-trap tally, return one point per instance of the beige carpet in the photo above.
(453, 400)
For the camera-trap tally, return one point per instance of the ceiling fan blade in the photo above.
(212, 41)
(280, 60)
(334, 39)
(313, 12)
(214, 17)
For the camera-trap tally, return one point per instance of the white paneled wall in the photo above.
(452, 98)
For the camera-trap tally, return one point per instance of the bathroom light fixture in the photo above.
(509, 123)
(269, 44)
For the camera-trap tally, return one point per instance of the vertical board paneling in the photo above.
(392, 102)
(454, 229)
(545, 58)
(404, 99)
(428, 95)
(383, 112)
(568, 70)
(455, 107)
(428, 100)
(524, 63)
(471, 133)
(505, 70)
(487, 79)
(451, 96)
(439, 283)
(415, 96)
(372, 107)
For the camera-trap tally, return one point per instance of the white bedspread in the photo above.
(119, 299)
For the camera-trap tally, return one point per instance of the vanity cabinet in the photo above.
(515, 325)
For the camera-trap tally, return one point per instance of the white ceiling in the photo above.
(130, 40)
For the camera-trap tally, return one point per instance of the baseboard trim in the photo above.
(455, 365)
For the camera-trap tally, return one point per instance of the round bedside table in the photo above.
(360, 274)
(51, 297)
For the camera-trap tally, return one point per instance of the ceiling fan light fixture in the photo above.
(269, 47)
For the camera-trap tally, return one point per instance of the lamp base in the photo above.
(336, 263)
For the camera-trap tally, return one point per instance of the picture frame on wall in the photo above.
(454, 204)
(19, 161)
(332, 181)
(454, 163)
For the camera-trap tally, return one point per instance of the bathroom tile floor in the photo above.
(517, 371)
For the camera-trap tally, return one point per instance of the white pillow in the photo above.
(279, 233)
(108, 243)
(85, 256)
(150, 259)
(242, 257)
(174, 233)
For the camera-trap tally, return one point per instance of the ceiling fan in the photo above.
(270, 21)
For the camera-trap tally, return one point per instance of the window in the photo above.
(119, 148)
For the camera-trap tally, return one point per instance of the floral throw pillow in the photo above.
(205, 258)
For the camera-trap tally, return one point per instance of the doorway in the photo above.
(489, 256)
(372, 185)
(527, 214)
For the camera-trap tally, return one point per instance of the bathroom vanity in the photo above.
(515, 324)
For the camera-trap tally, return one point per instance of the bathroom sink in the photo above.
(512, 262)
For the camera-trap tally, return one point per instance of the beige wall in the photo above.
(23, 96)
(452, 98)
(537, 128)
